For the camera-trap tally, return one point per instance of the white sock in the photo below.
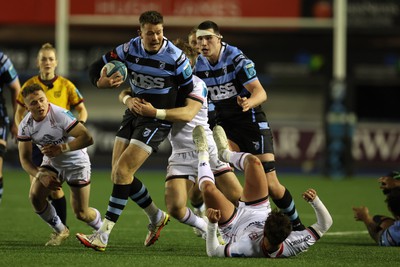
(50, 216)
(226, 155)
(193, 220)
(203, 156)
(237, 159)
(205, 173)
(96, 223)
(153, 213)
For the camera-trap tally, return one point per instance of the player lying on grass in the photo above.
(385, 231)
(251, 229)
(63, 141)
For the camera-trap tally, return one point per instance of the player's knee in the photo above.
(56, 194)
(3, 150)
(252, 160)
(208, 189)
(269, 166)
(176, 212)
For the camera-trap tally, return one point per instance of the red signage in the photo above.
(232, 8)
(43, 11)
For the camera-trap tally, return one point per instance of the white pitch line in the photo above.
(347, 233)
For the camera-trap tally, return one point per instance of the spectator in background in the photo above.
(8, 79)
(234, 88)
(63, 141)
(385, 231)
(61, 92)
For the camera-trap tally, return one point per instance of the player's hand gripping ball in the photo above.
(115, 66)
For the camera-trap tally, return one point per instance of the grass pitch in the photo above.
(23, 233)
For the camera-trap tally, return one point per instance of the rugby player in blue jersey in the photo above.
(237, 94)
(159, 73)
(8, 79)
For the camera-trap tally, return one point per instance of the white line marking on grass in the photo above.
(347, 233)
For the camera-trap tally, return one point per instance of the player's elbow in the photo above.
(187, 117)
(324, 226)
(90, 141)
(328, 223)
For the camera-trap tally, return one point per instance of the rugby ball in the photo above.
(115, 66)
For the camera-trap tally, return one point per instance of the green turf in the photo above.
(23, 234)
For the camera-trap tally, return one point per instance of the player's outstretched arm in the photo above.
(362, 214)
(324, 219)
(214, 249)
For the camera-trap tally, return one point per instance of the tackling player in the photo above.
(182, 164)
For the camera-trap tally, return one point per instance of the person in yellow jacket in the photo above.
(61, 92)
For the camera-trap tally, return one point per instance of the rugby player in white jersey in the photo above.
(182, 164)
(63, 141)
(249, 230)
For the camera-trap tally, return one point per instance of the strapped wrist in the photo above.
(125, 99)
(65, 148)
(161, 114)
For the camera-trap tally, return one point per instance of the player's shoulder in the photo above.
(231, 50)
(4, 59)
(169, 50)
(233, 53)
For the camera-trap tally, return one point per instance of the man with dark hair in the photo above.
(389, 181)
(277, 227)
(157, 70)
(385, 231)
(63, 142)
(60, 91)
(237, 94)
(247, 229)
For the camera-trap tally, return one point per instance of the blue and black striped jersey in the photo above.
(158, 78)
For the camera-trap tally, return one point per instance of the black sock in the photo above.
(138, 193)
(60, 205)
(286, 205)
(117, 202)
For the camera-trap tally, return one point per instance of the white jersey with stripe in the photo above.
(247, 244)
(53, 129)
(296, 242)
(245, 231)
(181, 133)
